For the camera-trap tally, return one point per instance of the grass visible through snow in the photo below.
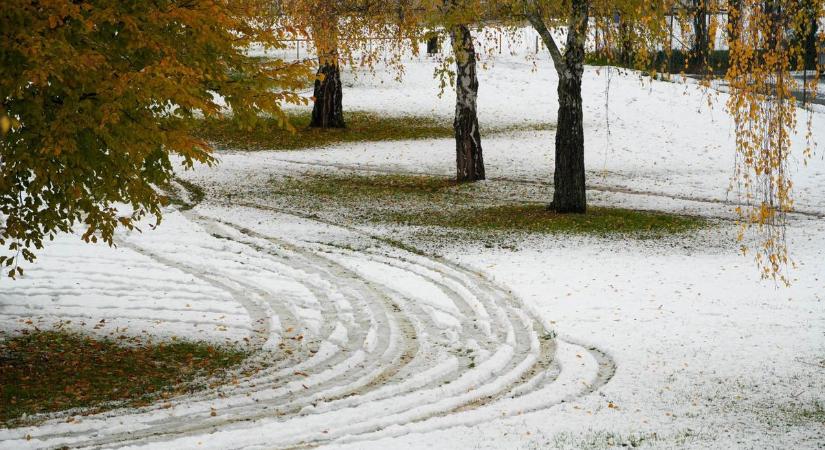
(375, 188)
(535, 218)
(266, 134)
(441, 202)
(48, 371)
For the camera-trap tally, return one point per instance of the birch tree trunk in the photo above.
(569, 195)
(469, 159)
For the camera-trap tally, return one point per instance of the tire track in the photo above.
(391, 342)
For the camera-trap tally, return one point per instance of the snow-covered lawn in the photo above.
(672, 343)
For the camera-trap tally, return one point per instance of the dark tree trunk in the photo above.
(810, 32)
(433, 46)
(625, 43)
(734, 20)
(570, 195)
(701, 39)
(469, 160)
(773, 10)
(811, 51)
(328, 110)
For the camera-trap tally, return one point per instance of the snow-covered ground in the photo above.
(669, 344)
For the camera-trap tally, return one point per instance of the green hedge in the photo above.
(675, 62)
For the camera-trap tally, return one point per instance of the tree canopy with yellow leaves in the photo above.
(96, 97)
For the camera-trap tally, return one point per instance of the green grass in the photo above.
(441, 202)
(48, 371)
(368, 188)
(604, 440)
(266, 134)
(799, 414)
(535, 218)
(185, 195)
(814, 413)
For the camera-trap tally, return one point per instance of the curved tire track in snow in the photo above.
(373, 341)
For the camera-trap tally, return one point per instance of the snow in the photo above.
(676, 343)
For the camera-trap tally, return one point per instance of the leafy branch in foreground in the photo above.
(97, 96)
(764, 52)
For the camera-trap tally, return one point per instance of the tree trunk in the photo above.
(433, 46)
(734, 21)
(701, 40)
(469, 160)
(811, 30)
(625, 43)
(773, 11)
(328, 110)
(811, 50)
(570, 195)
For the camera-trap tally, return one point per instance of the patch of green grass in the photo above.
(797, 414)
(602, 439)
(814, 413)
(535, 218)
(267, 134)
(440, 202)
(183, 194)
(49, 371)
(368, 188)
(194, 191)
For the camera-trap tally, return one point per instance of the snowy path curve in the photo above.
(377, 342)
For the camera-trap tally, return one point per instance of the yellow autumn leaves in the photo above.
(5, 124)
(763, 59)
